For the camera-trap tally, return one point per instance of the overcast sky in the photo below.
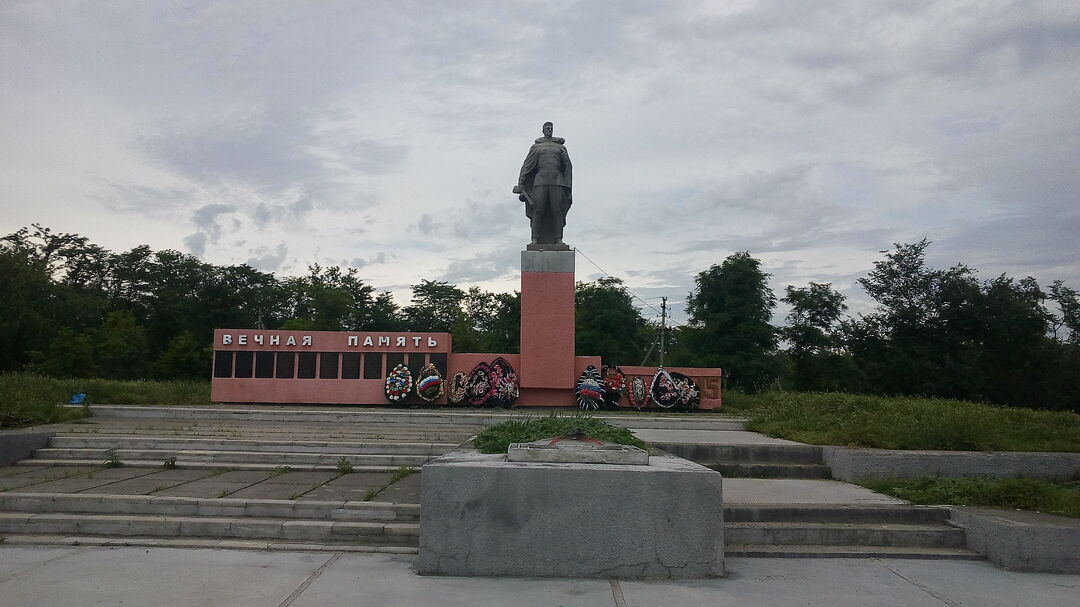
(387, 136)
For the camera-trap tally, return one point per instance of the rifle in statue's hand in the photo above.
(524, 197)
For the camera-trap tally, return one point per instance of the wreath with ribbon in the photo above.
(663, 390)
(504, 382)
(689, 395)
(459, 385)
(590, 389)
(429, 383)
(479, 388)
(614, 385)
(637, 392)
(398, 384)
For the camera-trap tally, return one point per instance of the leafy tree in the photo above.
(185, 358)
(730, 309)
(812, 335)
(491, 322)
(607, 324)
(436, 306)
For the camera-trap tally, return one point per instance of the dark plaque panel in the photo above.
(415, 360)
(439, 360)
(328, 365)
(373, 365)
(264, 364)
(223, 364)
(350, 365)
(243, 364)
(394, 359)
(305, 368)
(285, 363)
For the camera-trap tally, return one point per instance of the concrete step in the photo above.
(210, 444)
(218, 527)
(476, 418)
(224, 544)
(706, 454)
(73, 503)
(883, 513)
(833, 552)
(744, 470)
(224, 458)
(844, 534)
(182, 463)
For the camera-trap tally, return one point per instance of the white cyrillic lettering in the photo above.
(258, 339)
(368, 342)
(384, 341)
(306, 341)
(291, 341)
(226, 339)
(354, 340)
(416, 341)
(431, 342)
(401, 342)
(242, 340)
(275, 340)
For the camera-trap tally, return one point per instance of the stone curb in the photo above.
(1022, 541)
(18, 445)
(854, 465)
(154, 542)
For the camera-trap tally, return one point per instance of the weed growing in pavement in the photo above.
(169, 464)
(344, 466)
(112, 459)
(280, 470)
(371, 494)
(401, 473)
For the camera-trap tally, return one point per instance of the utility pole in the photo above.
(663, 327)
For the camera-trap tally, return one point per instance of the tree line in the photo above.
(73, 308)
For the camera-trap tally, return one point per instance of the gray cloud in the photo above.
(268, 260)
(196, 243)
(489, 265)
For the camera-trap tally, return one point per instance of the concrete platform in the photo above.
(707, 437)
(32, 576)
(800, 492)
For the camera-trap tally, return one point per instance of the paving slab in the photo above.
(120, 473)
(800, 491)
(159, 577)
(182, 474)
(337, 494)
(67, 485)
(362, 479)
(6, 471)
(16, 560)
(308, 478)
(404, 491)
(135, 486)
(202, 488)
(387, 580)
(271, 491)
(708, 437)
(241, 476)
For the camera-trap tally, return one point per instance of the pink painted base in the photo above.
(547, 330)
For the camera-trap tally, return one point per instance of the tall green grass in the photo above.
(28, 399)
(1021, 493)
(497, 438)
(909, 423)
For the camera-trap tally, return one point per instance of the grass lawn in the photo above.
(27, 399)
(1019, 493)
(905, 423)
(496, 439)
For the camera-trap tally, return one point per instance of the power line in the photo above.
(606, 273)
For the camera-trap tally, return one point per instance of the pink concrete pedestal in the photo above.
(547, 320)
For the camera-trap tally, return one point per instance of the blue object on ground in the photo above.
(77, 399)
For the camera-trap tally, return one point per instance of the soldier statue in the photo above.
(544, 186)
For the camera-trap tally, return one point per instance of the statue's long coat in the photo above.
(528, 174)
